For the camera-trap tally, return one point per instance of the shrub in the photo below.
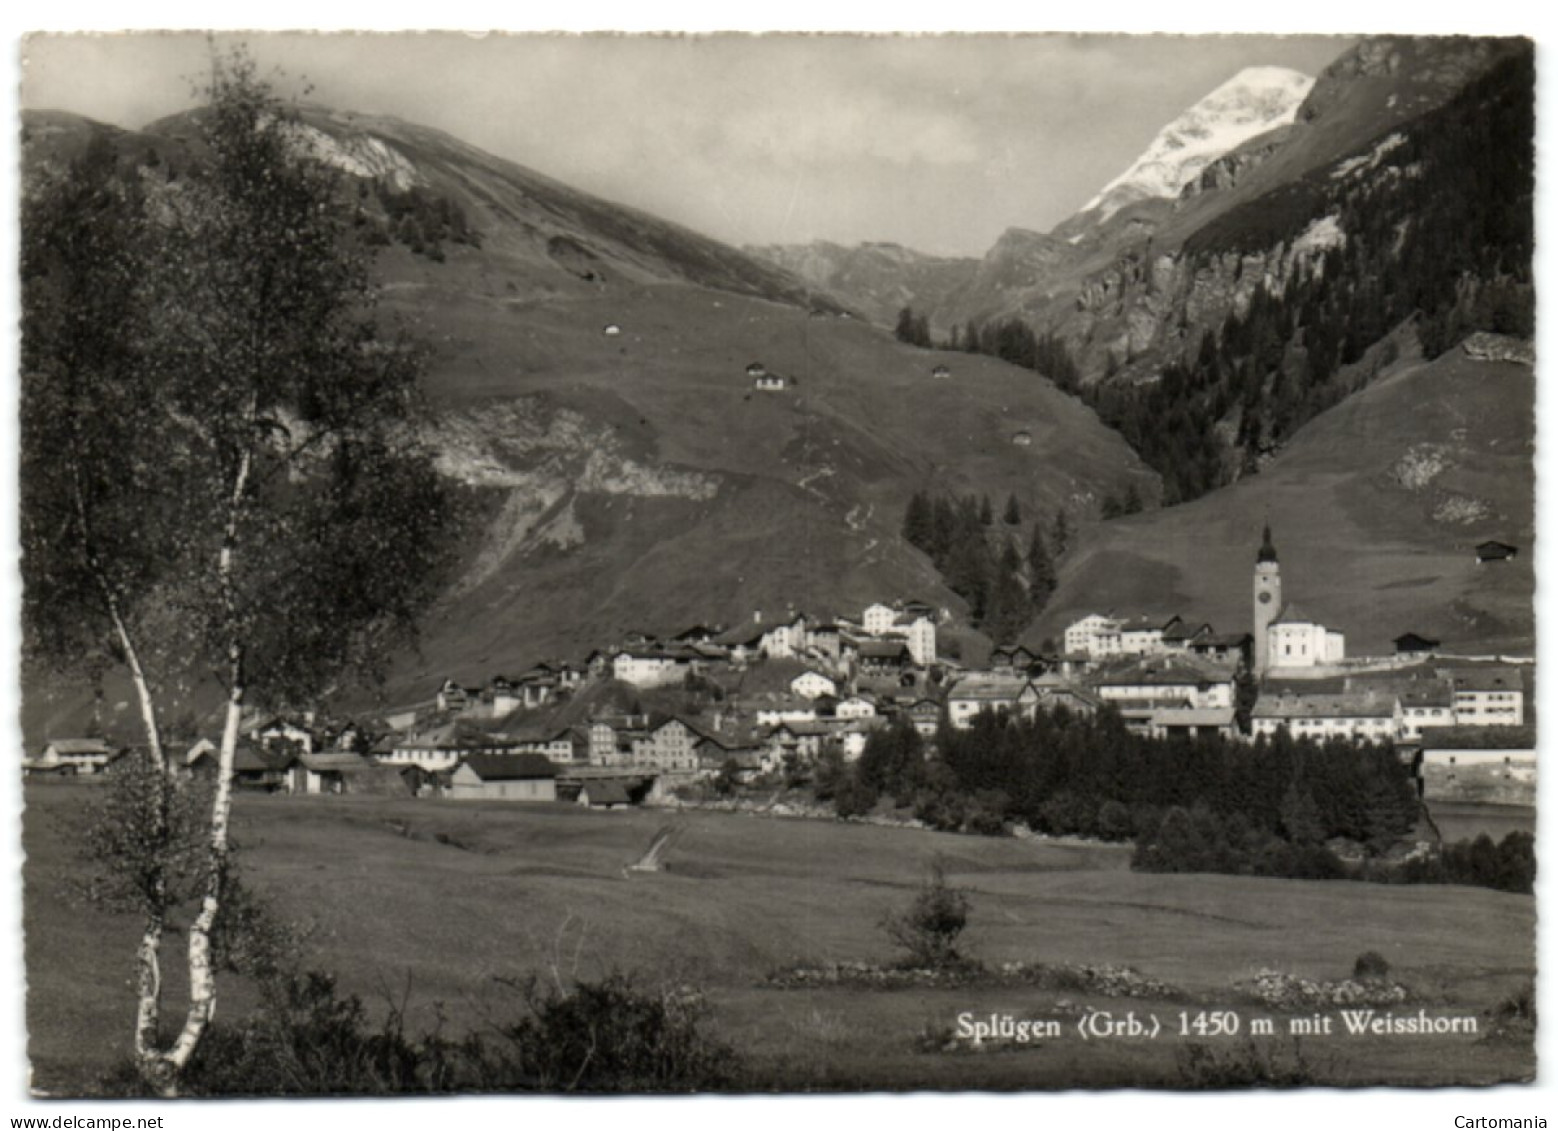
(1202, 1068)
(1371, 965)
(929, 927)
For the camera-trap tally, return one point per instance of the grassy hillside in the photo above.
(430, 901)
(635, 478)
(1373, 540)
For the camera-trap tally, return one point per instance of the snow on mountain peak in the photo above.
(1255, 100)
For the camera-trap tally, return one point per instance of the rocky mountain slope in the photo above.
(1255, 100)
(876, 280)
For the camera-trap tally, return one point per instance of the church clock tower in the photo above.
(1268, 600)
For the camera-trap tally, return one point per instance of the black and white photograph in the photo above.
(768, 564)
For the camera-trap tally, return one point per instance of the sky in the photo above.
(939, 142)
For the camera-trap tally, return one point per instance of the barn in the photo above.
(504, 777)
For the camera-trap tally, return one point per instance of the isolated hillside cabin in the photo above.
(606, 794)
(611, 330)
(504, 777)
(1023, 438)
(941, 373)
(757, 369)
(1411, 644)
(72, 756)
(770, 381)
(1491, 551)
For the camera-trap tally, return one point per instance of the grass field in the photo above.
(436, 899)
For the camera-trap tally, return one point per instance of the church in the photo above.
(1285, 636)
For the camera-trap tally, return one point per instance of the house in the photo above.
(1166, 681)
(667, 745)
(884, 657)
(854, 707)
(1360, 716)
(1492, 551)
(266, 771)
(1023, 438)
(976, 695)
(611, 329)
(1018, 658)
(648, 667)
(1143, 635)
(72, 756)
(800, 740)
(918, 631)
(606, 793)
(878, 619)
(331, 771)
(1231, 647)
(273, 730)
(1074, 699)
(452, 697)
(1191, 722)
(757, 369)
(1411, 644)
(1095, 636)
(561, 745)
(786, 709)
(812, 685)
(940, 373)
(1487, 696)
(1426, 705)
(504, 777)
(436, 749)
(925, 715)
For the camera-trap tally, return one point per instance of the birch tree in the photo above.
(221, 480)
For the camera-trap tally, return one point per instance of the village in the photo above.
(652, 719)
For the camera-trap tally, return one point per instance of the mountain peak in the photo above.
(1255, 100)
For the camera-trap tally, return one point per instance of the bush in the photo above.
(929, 927)
(608, 1036)
(1371, 966)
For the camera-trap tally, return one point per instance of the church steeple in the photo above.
(1268, 552)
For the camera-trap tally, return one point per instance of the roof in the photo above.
(1194, 717)
(334, 761)
(1324, 707)
(510, 767)
(1222, 640)
(605, 792)
(251, 759)
(1292, 614)
(1164, 671)
(1492, 548)
(1148, 622)
(1485, 679)
(1268, 551)
(80, 746)
(988, 690)
(1411, 641)
(883, 649)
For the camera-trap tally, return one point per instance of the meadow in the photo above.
(429, 904)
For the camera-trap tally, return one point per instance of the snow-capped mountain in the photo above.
(1255, 100)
